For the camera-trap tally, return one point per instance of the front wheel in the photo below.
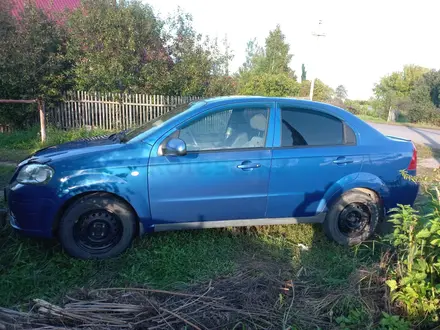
(353, 218)
(97, 226)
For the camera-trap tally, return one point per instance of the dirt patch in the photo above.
(429, 163)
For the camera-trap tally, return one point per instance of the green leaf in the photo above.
(411, 292)
(424, 233)
(435, 242)
(392, 284)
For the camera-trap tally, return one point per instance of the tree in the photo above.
(341, 92)
(32, 64)
(267, 84)
(116, 47)
(253, 53)
(303, 73)
(358, 107)
(221, 85)
(273, 59)
(196, 60)
(394, 89)
(220, 82)
(322, 92)
(424, 105)
(267, 66)
(276, 55)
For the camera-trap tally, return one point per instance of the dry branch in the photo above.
(253, 298)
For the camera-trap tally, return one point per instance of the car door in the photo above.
(314, 155)
(225, 173)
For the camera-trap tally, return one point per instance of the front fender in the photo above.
(349, 182)
(128, 183)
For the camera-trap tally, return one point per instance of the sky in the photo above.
(364, 39)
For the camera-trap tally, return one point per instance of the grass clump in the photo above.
(18, 145)
(6, 172)
(379, 120)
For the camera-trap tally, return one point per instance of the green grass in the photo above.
(16, 146)
(6, 172)
(372, 119)
(379, 120)
(32, 268)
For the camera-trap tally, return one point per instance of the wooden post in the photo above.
(42, 111)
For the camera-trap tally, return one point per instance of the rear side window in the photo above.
(311, 128)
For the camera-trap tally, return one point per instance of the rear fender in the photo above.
(361, 180)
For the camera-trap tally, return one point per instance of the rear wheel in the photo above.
(97, 226)
(353, 217)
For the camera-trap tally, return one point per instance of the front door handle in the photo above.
(247, 165)
(342, 161)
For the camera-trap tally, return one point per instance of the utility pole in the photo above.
(319, 33)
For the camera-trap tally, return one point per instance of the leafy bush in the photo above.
(358, 107)
(221, 85)
(321, 92)
(269, 85)
(393, 322)
(414, 280)
(355, 319)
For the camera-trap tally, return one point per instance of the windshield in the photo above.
(156, 122)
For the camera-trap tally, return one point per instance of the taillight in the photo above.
(413, 164)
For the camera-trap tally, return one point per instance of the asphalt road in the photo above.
(427, 136)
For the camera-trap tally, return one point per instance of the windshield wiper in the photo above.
(118, 136)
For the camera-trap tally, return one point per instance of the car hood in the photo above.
(73, 148)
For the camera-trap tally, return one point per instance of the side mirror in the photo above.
(175, 147)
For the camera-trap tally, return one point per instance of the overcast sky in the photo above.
(365, 39)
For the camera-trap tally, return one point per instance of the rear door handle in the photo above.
(342, 161)
(247, 165)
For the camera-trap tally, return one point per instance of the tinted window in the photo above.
(227, 129)
(309, 128)
(350, 137)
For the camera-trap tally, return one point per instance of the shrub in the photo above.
(393, 322)
(414, 279)
(267, 84)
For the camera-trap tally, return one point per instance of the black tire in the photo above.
(97, 226)
(353, 217)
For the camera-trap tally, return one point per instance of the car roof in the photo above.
(238, 98)
(361, 127)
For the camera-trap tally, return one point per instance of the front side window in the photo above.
(235, 128)
(159, 121)
(310, 128)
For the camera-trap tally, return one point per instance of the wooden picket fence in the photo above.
(111, 111)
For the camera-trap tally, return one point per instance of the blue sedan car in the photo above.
(231, 161)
